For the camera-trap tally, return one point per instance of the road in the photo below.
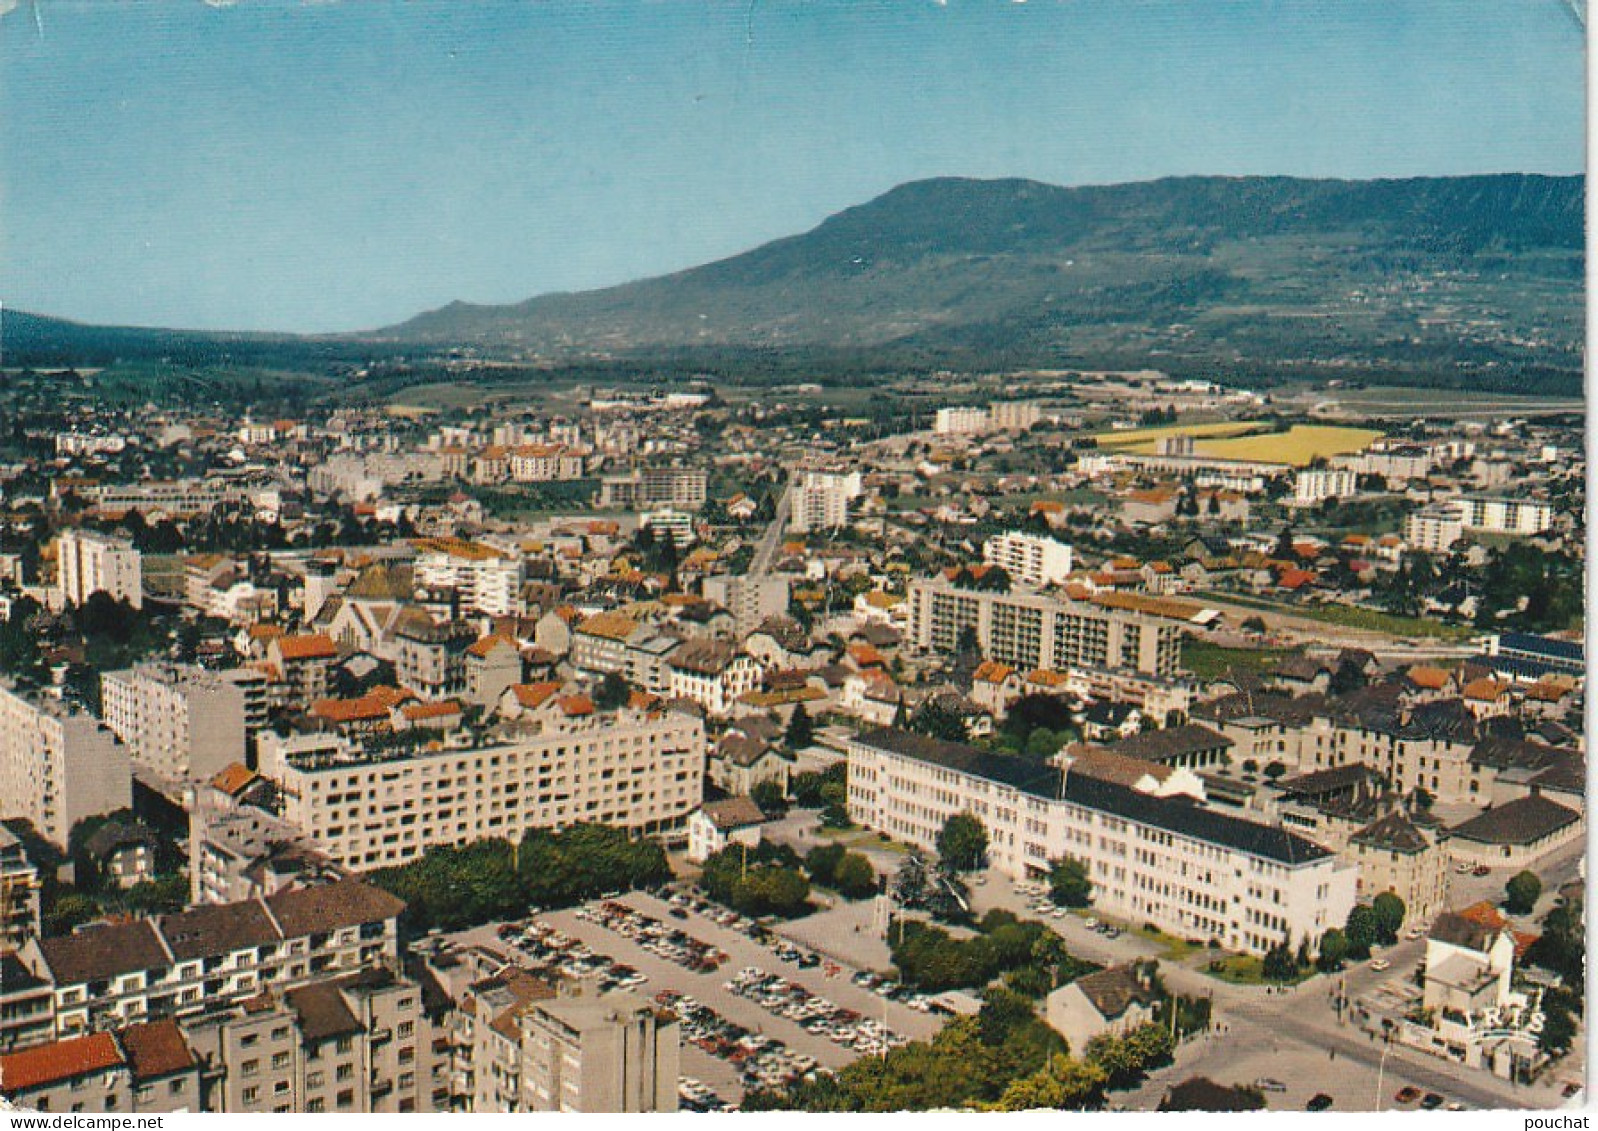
(771, 541)
(1296, 1035)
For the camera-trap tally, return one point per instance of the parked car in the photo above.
(1408, 1094)
(1431, 1101)
(1481, 870)
(1267, 1084)
(1381, 964)
(1320, 1101)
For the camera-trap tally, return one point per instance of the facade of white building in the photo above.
(88, 563)
(1191, 871)
(1031, 559)
(637, 770)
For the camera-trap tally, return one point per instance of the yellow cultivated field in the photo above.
(1298, 446)
(1145, 438)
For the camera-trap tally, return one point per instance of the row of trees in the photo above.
(933, 960)
(1003, 1059)
(453, 888)
(1374, 924)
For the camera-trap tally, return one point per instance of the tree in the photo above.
(854, 877)
(1521, 892)
(613, 692)
(768, 795)
(1360, 930)
(935, 720)
(1333, 951)
(1069, 883)
(1388, 911)
(822, 862)
(963, 842)
(910, 882)
(1279, 964)
(801, 731)
(1062, 1083)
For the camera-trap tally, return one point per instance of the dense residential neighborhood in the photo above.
(346, 768)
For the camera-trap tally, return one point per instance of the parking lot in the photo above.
(756, 1009)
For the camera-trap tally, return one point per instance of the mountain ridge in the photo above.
(1430, 279)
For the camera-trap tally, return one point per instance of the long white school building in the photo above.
(1189, 870)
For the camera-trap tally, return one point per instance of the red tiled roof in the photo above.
(233, 779)
(483, 647)
(60, 1060)
(156, 1049)
(316, 646)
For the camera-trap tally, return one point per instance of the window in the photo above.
(281, 1033)
(251, 1095)
(280, 1060)
(315, 1105)
(346, 1098)
(249, 1040)
(345, 1072)
(280, 1087)
(251, 1067)
(343, 1044)
(174, 1087)
(406, 1028)
(314, 1079)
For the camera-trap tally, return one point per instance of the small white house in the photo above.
(1116, 1000)
(715, 825)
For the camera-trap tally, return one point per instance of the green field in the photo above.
(1353, 616)
(1212, 661)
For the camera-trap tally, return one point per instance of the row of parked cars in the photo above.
(660, 939)
(814, 1013)
(893, 991)
(544, 945)
(695, 1096)
(762, 1061)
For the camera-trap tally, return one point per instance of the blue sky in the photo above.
(321, 166)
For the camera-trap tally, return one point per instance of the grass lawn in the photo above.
(862, 838)
(1248, 970)
(1212, 661)
(1351, 616)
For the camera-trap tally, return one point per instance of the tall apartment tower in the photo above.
(612, 1053)
(87, 562)
(181, 723)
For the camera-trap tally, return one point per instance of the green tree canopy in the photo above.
(1069, 883)
(1521, 892)
(963, 842)
(1389, 912)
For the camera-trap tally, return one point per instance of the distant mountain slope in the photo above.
(1481, 270)
(1452, 281)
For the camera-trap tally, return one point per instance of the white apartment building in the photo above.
(960, 421)
(668, 523)
(821, 500)
(172, 965)
(749, 598)
(610, 1053)
(1506, 516)
(58, 767)
(487, 580)
(1433, 529)
(87, 563)
(1191, 871)
(638, 770)
(88, 443)
(681, 487)
(712, 673)
(1014, 416)
(180, 497)
(1031, 559)
(180, 723)
(545, 463)
(1317, 484)
(1030, 631)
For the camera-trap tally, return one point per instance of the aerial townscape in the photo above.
(1010, 647)
(910, 753)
